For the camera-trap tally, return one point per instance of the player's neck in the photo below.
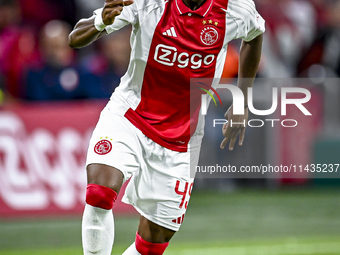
(193, 4)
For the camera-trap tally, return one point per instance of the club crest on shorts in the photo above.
(209, 35)
(103, 147)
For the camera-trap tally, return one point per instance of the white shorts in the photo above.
(160, 185)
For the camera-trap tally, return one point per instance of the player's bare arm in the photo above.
(85, 31)
(250, 55)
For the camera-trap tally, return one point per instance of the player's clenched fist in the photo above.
(88, 30)
(113, 8)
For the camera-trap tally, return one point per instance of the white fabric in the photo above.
(243, 14)
(97, 231)
(98, 20)
(242, 22)
(131, 250)
(155, 170)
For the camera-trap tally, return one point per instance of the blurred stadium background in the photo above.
(51, 97)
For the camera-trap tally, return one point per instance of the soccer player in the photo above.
(145, 131)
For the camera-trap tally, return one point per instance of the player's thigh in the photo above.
(113, 148)
(154, 233)
(161, 189)
(105, 175)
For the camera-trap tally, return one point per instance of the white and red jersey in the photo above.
(170, 45)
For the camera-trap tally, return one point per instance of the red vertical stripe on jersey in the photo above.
(163, 113)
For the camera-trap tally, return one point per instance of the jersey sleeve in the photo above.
(248, 21)
(128, 16)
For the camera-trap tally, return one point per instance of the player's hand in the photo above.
(232, 132)
(113, 8)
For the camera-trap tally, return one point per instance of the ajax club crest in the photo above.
(103, 147)
(209, 34)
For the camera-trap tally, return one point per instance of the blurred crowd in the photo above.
(36, 63)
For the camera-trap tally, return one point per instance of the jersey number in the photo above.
(186, 191)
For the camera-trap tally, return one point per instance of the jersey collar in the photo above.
(202, 11)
